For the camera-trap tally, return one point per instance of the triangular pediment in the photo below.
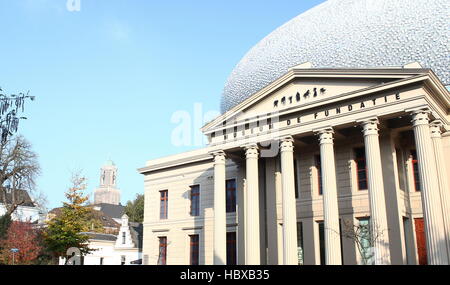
(300, 88)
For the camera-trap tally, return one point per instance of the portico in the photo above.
(370, 112)
(309, 160)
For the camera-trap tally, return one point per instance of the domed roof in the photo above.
(348, 34)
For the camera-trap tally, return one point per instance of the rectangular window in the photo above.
(164, 204)
(361, 168)
(300, 243)
(319, 173)
(365, 240)
(231, 248)
(322, 242)
(401, 174)
(124, 236)
(162, 259)
(296, 179)
(416, 173)
(194, 249)
(231, 196)
(101, 260)
(195, 200)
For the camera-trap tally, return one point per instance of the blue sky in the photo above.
(108, 78)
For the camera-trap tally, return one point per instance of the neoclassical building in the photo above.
(345, 160)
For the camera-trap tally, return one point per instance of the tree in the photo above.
(65, 230)
(10, 107)
(18, 163)
(23, 236)
(135, 209)
(5, 222)
(18, 171)
(364, 237)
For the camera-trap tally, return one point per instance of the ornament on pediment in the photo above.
(287, 100)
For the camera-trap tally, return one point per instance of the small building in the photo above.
(123, 248)
(27, 211)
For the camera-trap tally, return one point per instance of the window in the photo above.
(162, 259)
(194, 245)
(296, 179)
(401, 174)
(195, 200)
(300, 243)
(361, 168)
(124, 236)
(164, 203)
(231, 195)
(365, 240)
(123, 260)
(319, 173)
(231, 248)
(322, 242)
(416, 174)
(101, 260)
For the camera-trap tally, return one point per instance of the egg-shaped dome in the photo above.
(348, 34)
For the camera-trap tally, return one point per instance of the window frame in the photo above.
(194, 249)
(164, 205)
(231, 248)
(231, 205)
(415, 168)
(359, 170)
(162, 249)
(318, 165)
(197, 201)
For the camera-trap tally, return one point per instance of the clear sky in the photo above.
(108, 78)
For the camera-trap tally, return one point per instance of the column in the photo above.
(240, 187)
(290, 256)
(252, 244)
(330, 199)
(378, 216)
(220, 223)
(436, 137)
(432, 210)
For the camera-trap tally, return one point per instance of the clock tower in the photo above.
(107, 192)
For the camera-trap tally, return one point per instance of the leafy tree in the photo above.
(18, 163)
(65, 230)
(23, 236)
(135, 209)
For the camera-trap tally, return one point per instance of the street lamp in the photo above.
(14, 251)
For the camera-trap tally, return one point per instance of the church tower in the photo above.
(107, 193)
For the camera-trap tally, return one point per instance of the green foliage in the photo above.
(64, 231)
(5, 222)
(135, 209)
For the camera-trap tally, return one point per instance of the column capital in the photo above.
(251, 150)
(325, 135)
(420, 117)
(370, 126)
(435, 128)
(287, 144)
(219, 156)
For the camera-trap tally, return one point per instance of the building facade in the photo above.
(288, 167)
(122, 248)
(344, 160)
